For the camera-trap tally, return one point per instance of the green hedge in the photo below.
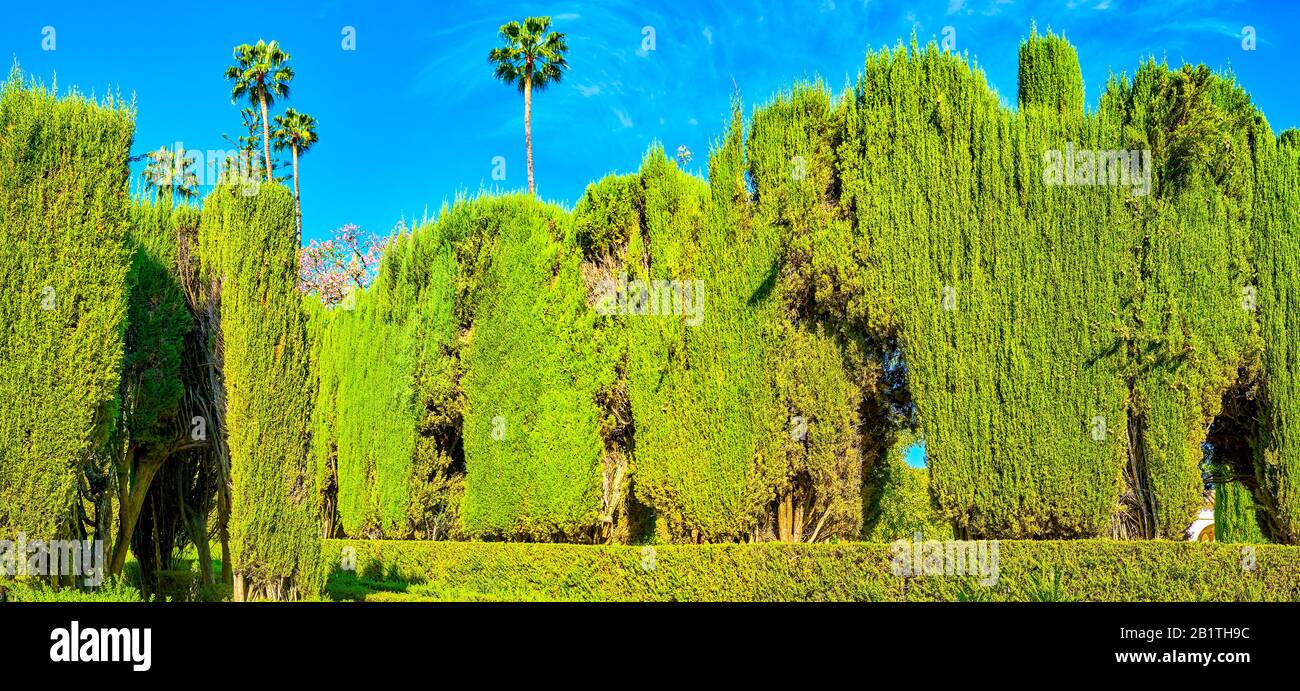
(703, 410)
(1086, 570)
(1050, 74)
(1066, 344)
(1061, 346)
(274, 516)
(64, 219)
(1236, 515)
(381, 367)
(1277, 239)
(533, 450)
(37, 591)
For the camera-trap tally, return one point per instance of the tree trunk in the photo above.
(129, 510)
(817, 530)
(528, 131)
(197, 527)
(1138, 480)
(103, 525)
(796, 533)
(266, 139)
(297, 198)
(784, 517)
(223, 531)
(329, 513)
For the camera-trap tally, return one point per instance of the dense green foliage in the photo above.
(1090, 332)
(1062, 329)
(274, 518)
(1050, 75)
(1277, 239)
(696, 388)
(63, 200)
(533, 449)
(1089, 318)
(1088, 570)
(152, 429)
(111, 591)
(491, 282)
(157, 321)
(898, 504)
(1236, 517)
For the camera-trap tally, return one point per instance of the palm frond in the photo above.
(537, 25)
(260, 72)
(529, 55)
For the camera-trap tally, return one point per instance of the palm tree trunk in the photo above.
(528, 131)
(266, 139)
(297, 198)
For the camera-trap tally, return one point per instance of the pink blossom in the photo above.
(348, 260)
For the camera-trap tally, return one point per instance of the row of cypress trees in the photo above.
(156, 368)
(896, 258)
(894, 262)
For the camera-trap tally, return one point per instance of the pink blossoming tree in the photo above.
(347, 261)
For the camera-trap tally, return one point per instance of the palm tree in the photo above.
(531, 59)
(296, 131)
(262, 75)
(171, 173)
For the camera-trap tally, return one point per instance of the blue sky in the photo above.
(413, 116)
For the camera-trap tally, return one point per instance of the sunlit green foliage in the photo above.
(64, 211)
(1050, 75)
(387, 373)
(157, 322)
(705, 414)
(1236, 517)
(150, 429)
(533, 451)
(1066, 344)
(274, 518)
(907, 259)
(1277, 241)
(698, 389)
(1002, 296)
(1188, 332)
(899, 504)
(1080, 570)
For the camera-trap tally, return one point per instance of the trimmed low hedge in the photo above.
(1085, 570)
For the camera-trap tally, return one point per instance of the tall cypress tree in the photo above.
(274, 514)
(1277, 255)
(387, 364)
(533, 451)
(62, 298)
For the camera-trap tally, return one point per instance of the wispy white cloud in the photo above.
(623, 118)
(1076, 4)
(707, 33)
